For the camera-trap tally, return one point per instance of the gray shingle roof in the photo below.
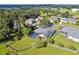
(48, 32)
(71, 32)
(69, 19)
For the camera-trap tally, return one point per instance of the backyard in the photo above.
(61, 39)
(49, 50)
(26, 42)
(71, 25)
(24, 46)
(3, 50)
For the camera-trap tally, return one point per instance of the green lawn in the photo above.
(3, 50)
(57, 26)
(26, 42)
(49, 50)
(60, 38)
(71, 25)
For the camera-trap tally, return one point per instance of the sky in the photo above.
(39, 1)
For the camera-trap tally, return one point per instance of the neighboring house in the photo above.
(43, 32)
(52, 19)
(55, 18)
(39, 18)
(33, 22)
(69, 20)
(71, 33)
(30, 22)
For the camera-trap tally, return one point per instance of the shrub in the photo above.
(45, 44)
(16, 38)
(8, 53)
(51, 41)
(40, 44)
(72, 47)
(60, 44)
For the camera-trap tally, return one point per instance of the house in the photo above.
(69, 20)
(52, 19)
(43, 32)
(55, 18)
(33, 22)
(71, 33)
(30, 22)
(39, 18)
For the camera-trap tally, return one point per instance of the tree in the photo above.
(77, 23)
(51, 41)
(44, 22)
(40, 43)
(26, 31)
(4, 29)
(66, 14)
